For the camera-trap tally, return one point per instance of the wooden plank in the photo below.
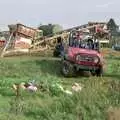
(7, 44)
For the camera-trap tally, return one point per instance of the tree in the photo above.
(50, 29)
(112, 26)
(47, 29)
(57, 28)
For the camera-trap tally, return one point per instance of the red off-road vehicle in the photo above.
(82, 55)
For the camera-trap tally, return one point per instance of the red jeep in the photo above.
(82, 55)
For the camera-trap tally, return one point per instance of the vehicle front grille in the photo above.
(86, 58)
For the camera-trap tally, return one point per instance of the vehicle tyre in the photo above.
(68, 69)
(93, 73)
(99, 72)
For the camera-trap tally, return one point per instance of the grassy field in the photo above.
(92, 103)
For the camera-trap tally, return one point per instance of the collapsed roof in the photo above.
(22, 29)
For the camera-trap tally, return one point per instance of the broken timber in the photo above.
(48, 42)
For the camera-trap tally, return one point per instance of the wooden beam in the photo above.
(7, 44)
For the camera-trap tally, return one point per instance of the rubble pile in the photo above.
(24, 38)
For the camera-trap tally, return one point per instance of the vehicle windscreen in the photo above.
(75, 40)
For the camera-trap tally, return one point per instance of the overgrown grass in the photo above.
(91, 103)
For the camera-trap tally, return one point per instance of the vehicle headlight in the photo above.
(78, 58)
(96, 59)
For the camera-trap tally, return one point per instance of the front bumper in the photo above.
(86, 68)
(79, 66)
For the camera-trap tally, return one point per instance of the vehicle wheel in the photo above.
(99, 72)
(93, 73)
(68, 70)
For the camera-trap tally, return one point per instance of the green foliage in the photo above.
(57, 28)
(50, 29)
(112, 26)
(91, 103)
(47, 29)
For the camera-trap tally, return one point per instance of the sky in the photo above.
(67, 13)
